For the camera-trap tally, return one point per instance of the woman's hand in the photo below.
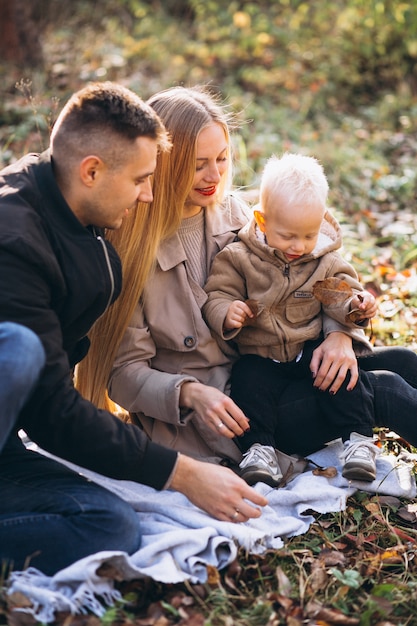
(217, 490)
(215, 408)
(331, 362)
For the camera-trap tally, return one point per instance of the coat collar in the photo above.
(219, 221)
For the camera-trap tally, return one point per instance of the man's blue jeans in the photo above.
(49, 515)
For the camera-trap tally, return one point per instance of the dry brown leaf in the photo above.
(253, 305)
(18, 600)
(392, 501)
(213, 576)
(256, 308)
(373, 508)
(284, 583)
(355, 316)
(408, 513)
(17, 618)
(108, 570)
(330, 558)
(332, 291)
(196, 619)
(333, 616)
(318, 578)
(327, 472)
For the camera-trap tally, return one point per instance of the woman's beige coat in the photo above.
(167, 343)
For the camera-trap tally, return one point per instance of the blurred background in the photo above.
(333, 79)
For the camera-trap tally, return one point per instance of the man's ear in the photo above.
(89, 168)
(260, 220)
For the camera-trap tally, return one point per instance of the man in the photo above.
(58, 275)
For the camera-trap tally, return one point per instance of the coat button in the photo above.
(189, 342)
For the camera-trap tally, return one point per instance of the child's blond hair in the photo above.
(294, 177)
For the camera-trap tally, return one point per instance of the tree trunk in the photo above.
(19, 34)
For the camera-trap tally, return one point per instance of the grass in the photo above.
(354, 567)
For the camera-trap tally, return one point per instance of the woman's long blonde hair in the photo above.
(184, 112)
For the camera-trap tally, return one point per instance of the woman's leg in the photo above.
(402, 361)
(51, 516)
(395, 404)
(302, 428)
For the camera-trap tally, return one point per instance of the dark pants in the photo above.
(50, 516)
(300, 417)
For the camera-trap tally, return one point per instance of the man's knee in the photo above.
(22, 355)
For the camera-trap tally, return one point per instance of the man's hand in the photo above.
(331, 362)
(217, 490)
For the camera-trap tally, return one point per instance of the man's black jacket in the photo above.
(57, 277)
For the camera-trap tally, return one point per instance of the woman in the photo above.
(168, 371)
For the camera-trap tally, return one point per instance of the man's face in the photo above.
(118, 190)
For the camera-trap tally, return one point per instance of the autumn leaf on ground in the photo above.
(328, 472)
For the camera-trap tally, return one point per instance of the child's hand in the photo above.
(366, 303)
(237, 314)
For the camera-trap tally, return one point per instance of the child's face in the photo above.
(291, 228)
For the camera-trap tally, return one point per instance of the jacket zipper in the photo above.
(286, 270)
(111, 275)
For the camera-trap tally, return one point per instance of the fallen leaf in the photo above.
(318, 578)
(408, 513)
(331, 557)
(107, 570)
(213, 576)
(327, 472)
(18, 600)
(284, 584)
(332, 616)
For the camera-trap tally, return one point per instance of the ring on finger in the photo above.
(220, 425)
(235, 514)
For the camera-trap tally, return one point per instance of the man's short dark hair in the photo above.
(101, 119)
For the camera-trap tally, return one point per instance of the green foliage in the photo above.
(337, 80)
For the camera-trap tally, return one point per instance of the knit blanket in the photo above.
(180, 541)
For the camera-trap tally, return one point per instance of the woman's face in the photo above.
(212, 161)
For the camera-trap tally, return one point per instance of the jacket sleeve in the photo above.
(56, 416)
(224, 285)
(137, 386)
(335, 316)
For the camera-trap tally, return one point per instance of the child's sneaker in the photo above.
(260, 464)
(359, 458)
